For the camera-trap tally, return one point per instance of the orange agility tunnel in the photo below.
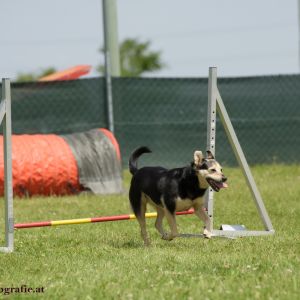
(49, 164)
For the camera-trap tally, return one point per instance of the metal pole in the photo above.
(211, 134)
(111, 54)
(110, 28)
(109, 95)
(7, 148)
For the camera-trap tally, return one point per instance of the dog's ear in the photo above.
(209, 155)
(198, 157)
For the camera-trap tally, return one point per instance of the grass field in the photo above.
(108, 260)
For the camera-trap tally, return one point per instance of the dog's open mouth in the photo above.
(217, 185)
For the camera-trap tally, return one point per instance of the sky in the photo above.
(240, 38)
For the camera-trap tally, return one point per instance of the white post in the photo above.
(211, 134)
(7, 148)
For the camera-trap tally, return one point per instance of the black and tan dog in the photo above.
(173, 190)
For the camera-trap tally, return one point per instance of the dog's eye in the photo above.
(213, 170)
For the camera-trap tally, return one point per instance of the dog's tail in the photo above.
(134, 157)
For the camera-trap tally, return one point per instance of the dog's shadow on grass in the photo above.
(157, 243)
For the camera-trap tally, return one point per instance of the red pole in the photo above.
(89, 220)
(35, 224)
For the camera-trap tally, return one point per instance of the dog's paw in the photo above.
(167, 236)
(207, 234)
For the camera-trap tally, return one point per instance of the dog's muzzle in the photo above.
(217, 185)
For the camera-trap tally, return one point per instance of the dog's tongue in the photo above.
(222, 185)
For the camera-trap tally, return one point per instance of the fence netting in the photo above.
(169, 115)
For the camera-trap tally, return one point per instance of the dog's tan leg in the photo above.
(201, 213)
(173, 226)
(159, 220)
(142, 221)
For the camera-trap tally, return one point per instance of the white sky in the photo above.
(240, 37)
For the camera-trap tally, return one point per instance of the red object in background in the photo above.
(69, 74)
(42, 165)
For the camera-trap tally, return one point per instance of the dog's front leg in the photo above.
(159, 220)
(201, 213)
(173, 226)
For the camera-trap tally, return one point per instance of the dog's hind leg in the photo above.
(138, 203)
(142, 221)
(159, 220)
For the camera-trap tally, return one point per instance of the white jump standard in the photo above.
(5, 119)
(216, 105)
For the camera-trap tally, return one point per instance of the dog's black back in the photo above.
(160, 184)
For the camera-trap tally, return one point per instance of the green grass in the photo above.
(108, 260)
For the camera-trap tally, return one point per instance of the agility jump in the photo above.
(215, 105)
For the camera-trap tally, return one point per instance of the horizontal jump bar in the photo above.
(90, 220)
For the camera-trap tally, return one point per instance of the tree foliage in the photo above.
(27, 77)
(136, 58)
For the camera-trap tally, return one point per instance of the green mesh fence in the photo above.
(169, 115)
(58, 107)
(265, 111)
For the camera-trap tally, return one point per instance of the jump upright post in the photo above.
(5, 120)
(216, 105)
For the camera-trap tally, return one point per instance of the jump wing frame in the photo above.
(216, 106)
(5, 119)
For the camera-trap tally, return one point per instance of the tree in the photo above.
(26, 77)
(136, 58)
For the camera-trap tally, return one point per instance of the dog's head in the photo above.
(209, 171)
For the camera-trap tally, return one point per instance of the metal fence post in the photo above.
(109, 96)
(111, 53)
(110, 30)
